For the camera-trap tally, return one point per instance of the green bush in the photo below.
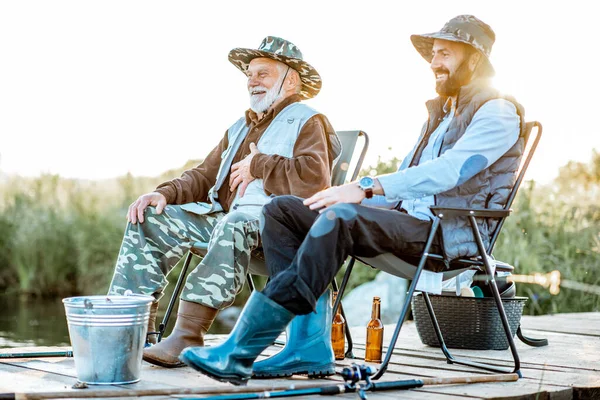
(546, 233)
(61, 237)
(8, 277)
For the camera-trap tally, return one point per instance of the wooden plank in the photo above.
(575, 351)
(586, 375)
(19, 379)
(568, 367)
(13, 379)
(587, 324)
(404, 367)
(395, 395)
(62, 369)
(413, 394)
(521, 390)
(540, 358)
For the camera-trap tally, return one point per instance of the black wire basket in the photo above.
(467, 322)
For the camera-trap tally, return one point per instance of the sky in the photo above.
(97, 89)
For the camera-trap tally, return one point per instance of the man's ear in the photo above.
(292, 79)
(474, 60)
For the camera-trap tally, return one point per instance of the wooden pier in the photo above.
(569, 368)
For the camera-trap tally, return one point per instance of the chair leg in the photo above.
(490, 271)
(450, 359)
(342, 288)
(531, 341)
(496, 294)
(176, 291)
(250, 282)
(436, 328)
(405, 306)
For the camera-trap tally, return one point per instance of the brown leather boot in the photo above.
(193, 321)
(152, 323)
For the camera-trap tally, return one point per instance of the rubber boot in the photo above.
(193, 321)
(259, 324)
(308, 348)
(151, 338)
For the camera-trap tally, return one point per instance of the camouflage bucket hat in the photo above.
(464, 29)
(283, 51)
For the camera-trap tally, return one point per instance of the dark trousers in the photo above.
(304, 250)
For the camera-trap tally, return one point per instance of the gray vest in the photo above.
(489, 188)
(279, 138)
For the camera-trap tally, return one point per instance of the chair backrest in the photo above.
(528, 151)
(349, 140)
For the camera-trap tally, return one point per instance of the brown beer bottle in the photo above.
(338, 339)
(374, 333)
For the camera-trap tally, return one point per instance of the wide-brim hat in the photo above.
(283, 51)
(463, 29)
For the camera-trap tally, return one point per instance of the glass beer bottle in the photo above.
(374, 333)
(338, 339)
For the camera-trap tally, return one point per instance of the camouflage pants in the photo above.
(150, 250)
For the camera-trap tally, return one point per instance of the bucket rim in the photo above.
(111, 301)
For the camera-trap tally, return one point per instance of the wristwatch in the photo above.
(366, 183)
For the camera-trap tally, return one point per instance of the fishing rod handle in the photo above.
(402, 385)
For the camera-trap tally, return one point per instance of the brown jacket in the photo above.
(307, 172)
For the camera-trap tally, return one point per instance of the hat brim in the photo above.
(424, 45)
(311, 80)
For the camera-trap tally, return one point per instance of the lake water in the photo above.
(28, 322)
(41, 322)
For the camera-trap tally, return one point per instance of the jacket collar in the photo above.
(252, 118)
(465, 95)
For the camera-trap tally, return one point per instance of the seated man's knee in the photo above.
(235, 216)
(169, 213)
(280, 205)
(151, 210)
(344, 211)
(337, 214)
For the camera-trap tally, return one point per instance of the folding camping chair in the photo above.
(257, 265)
(394, 265)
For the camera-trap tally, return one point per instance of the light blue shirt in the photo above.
(493, 130)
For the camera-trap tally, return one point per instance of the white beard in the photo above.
(267, 100)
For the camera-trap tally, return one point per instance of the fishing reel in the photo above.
(354, 374)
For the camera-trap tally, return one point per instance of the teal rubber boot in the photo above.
(259, 324)
(308, 348)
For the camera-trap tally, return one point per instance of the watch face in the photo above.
(366, 182)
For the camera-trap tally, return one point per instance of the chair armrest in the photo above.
(505, 267)
(200, 246)
(467, 212)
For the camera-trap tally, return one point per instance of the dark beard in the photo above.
(455, 81)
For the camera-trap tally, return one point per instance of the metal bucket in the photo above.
(108, 335)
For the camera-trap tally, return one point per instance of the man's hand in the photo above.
(136, 209)
(240, 172)
(348, 193)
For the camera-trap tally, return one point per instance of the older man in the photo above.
(467, 156)
(280, 146)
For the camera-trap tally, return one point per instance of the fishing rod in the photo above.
(37, 354)
(353, 377)
(124, 393)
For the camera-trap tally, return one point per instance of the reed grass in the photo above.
(60, 237)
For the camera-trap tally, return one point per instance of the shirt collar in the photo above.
(252, 118)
